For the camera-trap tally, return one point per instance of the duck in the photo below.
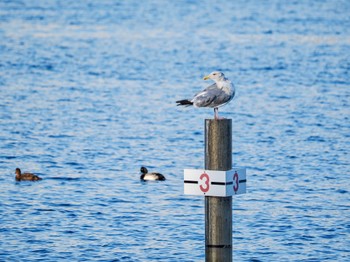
(26, 176)
(150, 176)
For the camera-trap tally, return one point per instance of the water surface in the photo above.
(87, 96)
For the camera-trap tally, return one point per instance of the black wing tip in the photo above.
(184, 102)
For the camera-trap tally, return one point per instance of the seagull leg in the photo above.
(216, 114)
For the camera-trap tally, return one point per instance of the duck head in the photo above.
(143, 170)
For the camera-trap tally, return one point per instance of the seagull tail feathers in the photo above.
(184, 102)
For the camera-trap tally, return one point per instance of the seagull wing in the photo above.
(212, 96)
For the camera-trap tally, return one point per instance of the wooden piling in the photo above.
(218, 210)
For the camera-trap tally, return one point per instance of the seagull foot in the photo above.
(219, 118)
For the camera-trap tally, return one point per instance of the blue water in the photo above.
(88, 91)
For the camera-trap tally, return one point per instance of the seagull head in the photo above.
(216, 76)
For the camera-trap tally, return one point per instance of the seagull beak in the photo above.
(206, 78)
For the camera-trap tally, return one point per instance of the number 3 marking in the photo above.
(236, 179)
(206, 183)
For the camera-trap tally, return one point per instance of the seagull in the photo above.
(214, 96)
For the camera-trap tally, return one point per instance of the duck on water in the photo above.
(26, 176)
(145, 176)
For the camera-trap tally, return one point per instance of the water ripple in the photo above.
(87, 97)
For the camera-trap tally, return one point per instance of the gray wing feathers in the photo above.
(210, 97)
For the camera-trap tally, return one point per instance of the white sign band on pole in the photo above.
(215, 183)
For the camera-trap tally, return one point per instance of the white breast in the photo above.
(150, 177)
